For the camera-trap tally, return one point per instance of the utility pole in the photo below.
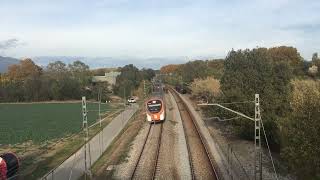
(124, 104)
(257, 136)
(144, 89)
(99, 99)
(257, 139)
(86, 130)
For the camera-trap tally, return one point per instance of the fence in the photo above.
(234, 167)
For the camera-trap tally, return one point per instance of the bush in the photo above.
(301, 133)
(209, 87)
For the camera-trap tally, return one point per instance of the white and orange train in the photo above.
(156, 109)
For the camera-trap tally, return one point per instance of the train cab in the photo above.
(155, 108)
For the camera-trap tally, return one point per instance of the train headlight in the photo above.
(148, 117)
(162, 116)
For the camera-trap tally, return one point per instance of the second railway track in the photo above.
(201, 164)
(146, 165)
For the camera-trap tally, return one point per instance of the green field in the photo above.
(43, 121)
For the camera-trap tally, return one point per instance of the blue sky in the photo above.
(150, 28)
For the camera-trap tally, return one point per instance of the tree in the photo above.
(102, 87)
(315, 65)
(130, 79)
(301, 148)
(315, 57)
(127, 81)
(57, 67)
(192, 70)
(253, 71)
(25, 69)
(216, 68)
(171, 68)
(147, 74)
(26, 77)
(55, 80)
(289, 55)
(80, 71)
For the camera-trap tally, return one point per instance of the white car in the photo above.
(132, 100)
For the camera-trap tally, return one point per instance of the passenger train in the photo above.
(156, 109)
(155, 106)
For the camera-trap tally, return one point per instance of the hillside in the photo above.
(5, 62)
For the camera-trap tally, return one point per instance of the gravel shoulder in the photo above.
(173, 165)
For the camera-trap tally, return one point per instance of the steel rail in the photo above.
(157, 153)
(177, 97)
(143, 148)
(141, 152)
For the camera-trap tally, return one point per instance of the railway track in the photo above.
(201, 165)
(147, 163)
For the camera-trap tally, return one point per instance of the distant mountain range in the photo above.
(101, 62)
(5, 62)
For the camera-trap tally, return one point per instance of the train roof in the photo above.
(155, 98)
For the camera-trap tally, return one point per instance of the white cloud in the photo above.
(156, 28)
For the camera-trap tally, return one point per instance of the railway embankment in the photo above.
(218, 157)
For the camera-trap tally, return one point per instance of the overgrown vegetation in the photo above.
(206, 89)
(302, 131)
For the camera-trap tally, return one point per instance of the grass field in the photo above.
(43, 121)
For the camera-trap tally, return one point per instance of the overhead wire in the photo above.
(219, 119)
(274, 168)
(239, 102)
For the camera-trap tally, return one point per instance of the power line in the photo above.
(239, 102)
(274, 168)
(219, 119)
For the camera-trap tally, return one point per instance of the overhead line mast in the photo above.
(86, 130)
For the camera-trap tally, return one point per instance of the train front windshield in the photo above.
(154, 106)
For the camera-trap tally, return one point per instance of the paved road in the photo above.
(74, 167)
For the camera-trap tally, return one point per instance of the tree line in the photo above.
(186, 73)
(289, 89)
(27, 81)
